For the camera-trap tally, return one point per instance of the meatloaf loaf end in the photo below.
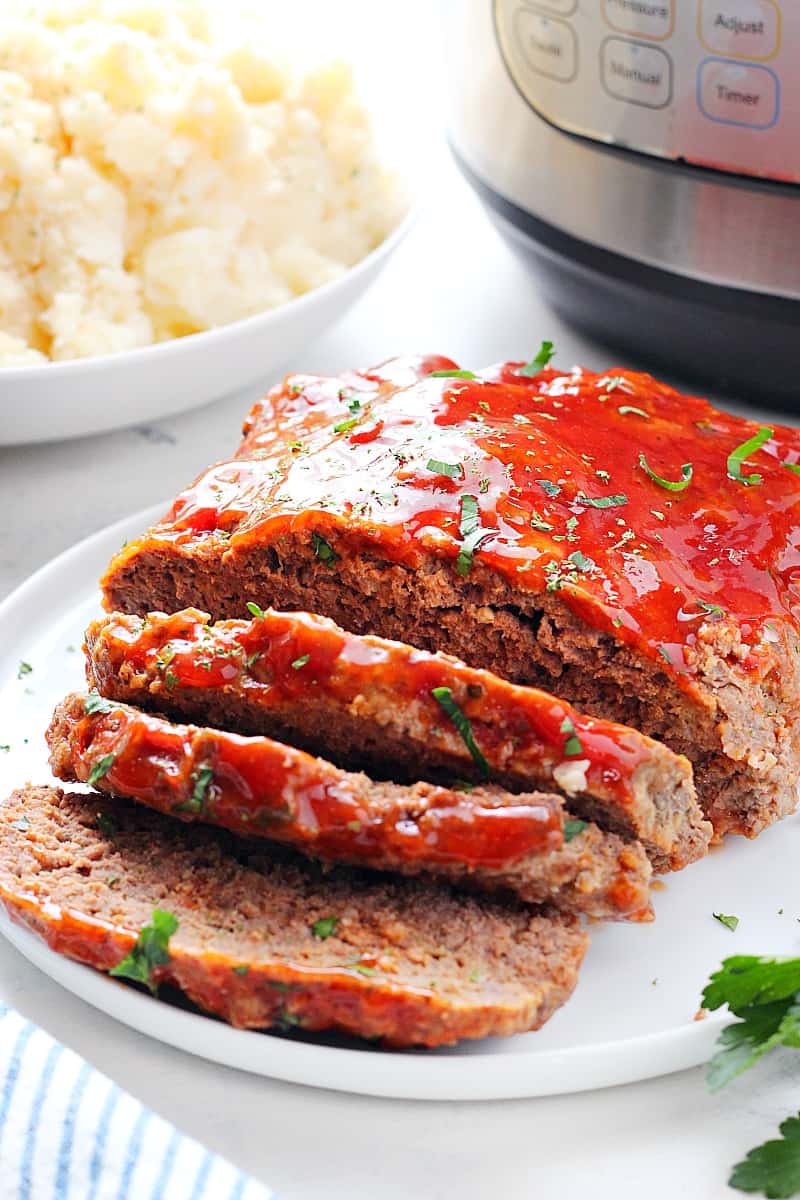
(366, 702)
(486, 839)
(265, 940)
(599, 535)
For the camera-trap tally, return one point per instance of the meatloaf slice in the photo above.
(367, 702)
(486, 838)
(264, 939)
(598, 535)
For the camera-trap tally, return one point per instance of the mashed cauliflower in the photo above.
(161, 174)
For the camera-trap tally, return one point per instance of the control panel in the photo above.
(711, 82)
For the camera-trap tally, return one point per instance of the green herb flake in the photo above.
(572, 746)
(454, 374)
(662, 650)
(737, 457)
(300, 662)
(444, 698)
(572, 828)
(345, 426)
(324, 550)
(4, 749)
(538, 522)
(539, 361)
(255, 610)
(354, 405)
(325, 927)
(100, 769)
(95, 703)
(354, 826)
(473, 534)
(686, 476)
(624, 409)
(581, 562)
(727, 919)
(793, 467)
(24, 668)
(451, 470)
(713, 610)
(616, 622)
(362, 968)
(198, 799)
(242, 969)
(251, 659)
(106, 824)
(614, 501)
(150, 951)
(550, 489)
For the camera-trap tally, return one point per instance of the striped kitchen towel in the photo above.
(69, 1133)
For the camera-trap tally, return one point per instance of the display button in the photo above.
(653, 19)
(741, 28)
(735, 94)
(636, 72)
(548, 45)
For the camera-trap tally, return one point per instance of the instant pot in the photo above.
(645, 156)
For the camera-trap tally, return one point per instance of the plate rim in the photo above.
(414, 1075)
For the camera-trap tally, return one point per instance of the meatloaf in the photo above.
(487, 838)
(600, 535)
(264, 939)
(368, 702)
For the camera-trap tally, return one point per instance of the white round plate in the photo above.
(57, 400)
(632, 1016)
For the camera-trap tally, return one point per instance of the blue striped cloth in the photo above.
(68, 1133)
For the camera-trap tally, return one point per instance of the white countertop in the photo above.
(453, 288)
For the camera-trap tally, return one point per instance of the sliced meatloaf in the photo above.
(265, 940)
(633, 549)
(368, 702)
(487, 838)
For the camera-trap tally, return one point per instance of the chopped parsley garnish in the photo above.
(572, 828)
(444, 698)
(106, 824)
(95, 703)
(354, 405)
(713, 610)
(614, 501)
(793, 467)
(572, 746)
(151, 950)
(25, 668)
(325, 927)
(773, 1168)
(550, 489)
(324, 550)
(629, 408)
(344, 426)
(255, 610)
(451, 470)
(242, 969)
(473, 534)
(685, 479)
(197, 800)
(662, 650)
(727, 919)
(737, 457)
(5, 748)
(454, 374)
(539, 361)
(580, 561)
(538, 522)
(300, 662)
(362, 968)
(100, 769)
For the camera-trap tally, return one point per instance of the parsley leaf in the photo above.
(572, 746)
(628, 408)
(550, 489)
(95, 703)
(25, 668)
(774, 1167)
(737, 457)
(685, 479)
(300, 662)
(344, 426)
(745, 979)
(150, 950)
(324, 550)
(580, 561)
(539, 361)
(713, 610)
(472, 532)
(197, 800)
(451, 470)
(454, 374)
(728, 920)
(601, 501)
(444, 698)
(255, 610)
(325, 927)
(572, 828)
(793, 467)
(100, 769)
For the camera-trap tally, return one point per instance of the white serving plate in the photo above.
(632, 1016)
(57, 400)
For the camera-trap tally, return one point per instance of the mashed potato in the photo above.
(160, 174)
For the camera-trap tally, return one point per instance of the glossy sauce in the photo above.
(260, 787)
(283, 660)
(530, 451)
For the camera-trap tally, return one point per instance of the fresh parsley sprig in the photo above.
(150, 950)
(444, 698)
(539, 361)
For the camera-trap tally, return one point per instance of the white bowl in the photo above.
(52, 401)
